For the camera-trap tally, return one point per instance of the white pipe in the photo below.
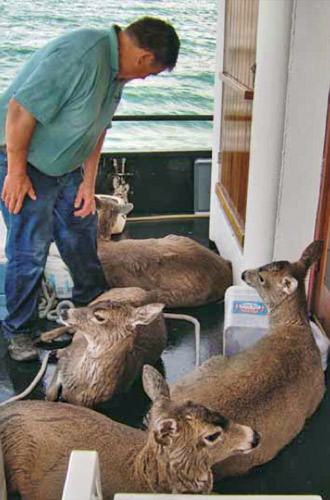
(197, 325)
(83, 479)
(33, 384)
(272, 58)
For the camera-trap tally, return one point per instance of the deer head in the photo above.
(280, 279)
(109, 322)
(189, 438)
(109, 209)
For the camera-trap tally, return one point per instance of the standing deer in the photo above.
(278, 382)
(174, 456)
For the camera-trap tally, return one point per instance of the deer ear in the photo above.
(98, 202)
(289, 284)
(106, 202)
(125, 208)
(311, 254)
(165, 429)
(154, 384)
(146, 314)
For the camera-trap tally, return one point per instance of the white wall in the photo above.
(217, 120)
(272, 58)
(308, 87)
(294, 168)
(220, 230)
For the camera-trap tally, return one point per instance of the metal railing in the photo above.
(161, 118)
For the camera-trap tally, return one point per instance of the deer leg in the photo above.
(54, 334)
(53, 390)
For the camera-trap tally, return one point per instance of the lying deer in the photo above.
(117, 208)
(174, 270)
(84, 378)
(111, 343)
(174, 456)
(278, 382)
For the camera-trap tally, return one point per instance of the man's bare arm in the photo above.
(86, 192)
(20, 126)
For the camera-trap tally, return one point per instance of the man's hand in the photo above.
(15, 188)
(20, 126)
(85, 200)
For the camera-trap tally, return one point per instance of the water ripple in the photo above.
(26, 26)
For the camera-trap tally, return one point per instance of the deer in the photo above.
(111, 339)
(115, 210)
(277, 383)
(174, 270)
(174, 455)
(111, 342)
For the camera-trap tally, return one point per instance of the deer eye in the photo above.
(261, 279)
(98, 317)
(211, 438)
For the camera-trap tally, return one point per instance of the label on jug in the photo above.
(249, 307)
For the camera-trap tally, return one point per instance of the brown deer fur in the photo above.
(277, 383)
(174, 270)
(112, 342)
(174, 456)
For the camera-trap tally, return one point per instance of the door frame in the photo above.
(318, 293)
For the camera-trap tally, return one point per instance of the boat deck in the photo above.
(301, 468)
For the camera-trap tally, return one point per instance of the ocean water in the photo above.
(27, 25)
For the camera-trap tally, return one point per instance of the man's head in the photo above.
(147, 47)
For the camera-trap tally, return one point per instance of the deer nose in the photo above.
(256, 439)
(63, 308)
(64, 314)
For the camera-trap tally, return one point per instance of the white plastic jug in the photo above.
(246, 322)
(58, 275)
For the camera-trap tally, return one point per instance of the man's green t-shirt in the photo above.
(70, 87)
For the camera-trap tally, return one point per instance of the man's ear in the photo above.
(146, 57)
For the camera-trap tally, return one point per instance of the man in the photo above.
(53, 120)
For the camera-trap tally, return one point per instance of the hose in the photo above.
(42, 370)
(33, 384)
(197, 325)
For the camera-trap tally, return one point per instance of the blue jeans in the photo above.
(29, 235)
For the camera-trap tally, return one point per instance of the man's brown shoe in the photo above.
(21, 348)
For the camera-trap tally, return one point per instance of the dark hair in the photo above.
(157, 36)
